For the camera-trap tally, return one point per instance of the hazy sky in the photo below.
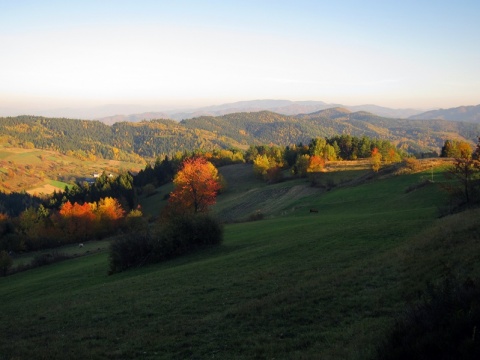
(167, 54)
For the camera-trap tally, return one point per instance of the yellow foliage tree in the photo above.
(376, 159)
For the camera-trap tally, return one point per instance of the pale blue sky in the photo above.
(166, 54)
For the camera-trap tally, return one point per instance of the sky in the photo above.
(180, 54)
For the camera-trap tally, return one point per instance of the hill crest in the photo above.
(461, 113)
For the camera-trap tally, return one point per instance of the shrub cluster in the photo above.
(48, 258)
(6, 263)
(178, 236)
(445, 325)
(256, 216)
(38, 260)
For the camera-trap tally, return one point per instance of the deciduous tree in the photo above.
(109, 209)
(466, 173)
(109, 213)
(196, 186)
(315, 164)
(376, 159)
(77, 220)
(301, 165)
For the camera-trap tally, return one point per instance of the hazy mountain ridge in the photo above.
(283, 107)
(287, 107)
(110, 120)
(461, 113)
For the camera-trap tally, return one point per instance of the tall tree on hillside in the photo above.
(196, 186)
(466, 173)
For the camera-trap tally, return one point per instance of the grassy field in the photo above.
(297, 285)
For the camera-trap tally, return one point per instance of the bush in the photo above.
(47, 259)
(185, 233)
(445, 325)
(256, 216)
(130, 250)
(411, 164)
(6, 262)
(149, 190)
(176, 237)
(197, 230)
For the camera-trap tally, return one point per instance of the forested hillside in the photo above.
(122, 141)
(266, 127)
(149, 139)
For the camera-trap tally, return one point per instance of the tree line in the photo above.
(270, 161)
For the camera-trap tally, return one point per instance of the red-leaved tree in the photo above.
(77, 220)
(196, 186)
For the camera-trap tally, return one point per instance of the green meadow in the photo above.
(295, 285)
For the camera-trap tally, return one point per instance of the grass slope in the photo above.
(297, 285)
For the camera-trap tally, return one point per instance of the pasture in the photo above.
(297, 285)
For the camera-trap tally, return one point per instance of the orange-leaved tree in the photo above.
(315, 164)
(196, 186)
(77, 220)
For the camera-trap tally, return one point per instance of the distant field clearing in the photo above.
(45, 189)
(49, 188)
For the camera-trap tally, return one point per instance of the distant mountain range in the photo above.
(283, 107)
(461, 113)
(287, 107)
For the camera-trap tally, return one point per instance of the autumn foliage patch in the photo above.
(43, 228)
